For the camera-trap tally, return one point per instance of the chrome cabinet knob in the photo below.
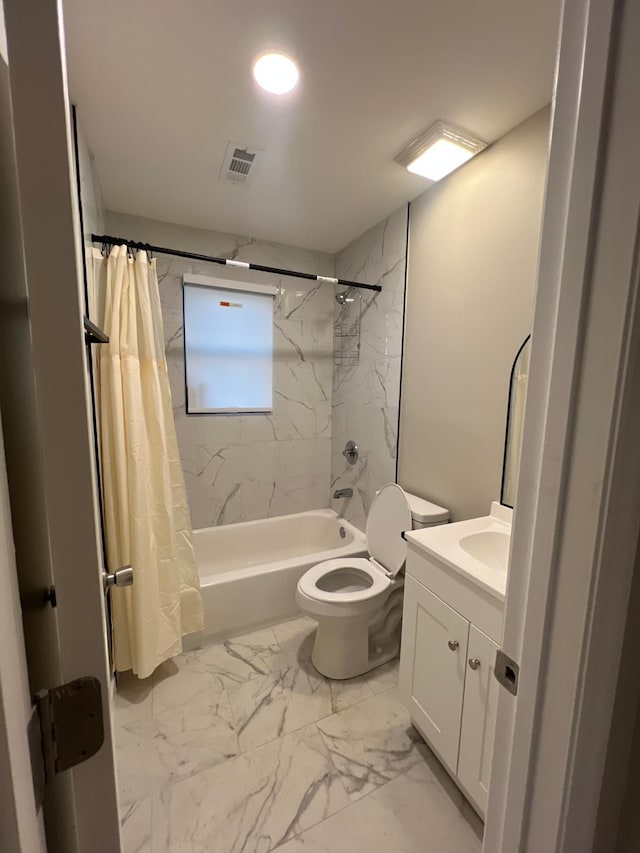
(454, 645)
(474, 663)
(121, 577)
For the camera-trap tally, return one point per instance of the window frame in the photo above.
(219, 283)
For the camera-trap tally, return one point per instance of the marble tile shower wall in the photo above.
(244, 467)
(366, 396)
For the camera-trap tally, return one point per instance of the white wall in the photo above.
(471, 273)
(243, 467)
(366, 395)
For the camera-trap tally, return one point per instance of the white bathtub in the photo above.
(249, 571)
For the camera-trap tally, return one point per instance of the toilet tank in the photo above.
(424, 513)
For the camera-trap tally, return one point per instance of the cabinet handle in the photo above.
(474, 663)
(453, 645)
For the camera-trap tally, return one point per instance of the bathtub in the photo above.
(249, 571)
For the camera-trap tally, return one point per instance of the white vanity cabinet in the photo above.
(478, 718)
(446, 669)
(434, 651)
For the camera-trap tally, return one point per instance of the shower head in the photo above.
(343, 296)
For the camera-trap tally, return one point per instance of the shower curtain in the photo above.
(146, 514)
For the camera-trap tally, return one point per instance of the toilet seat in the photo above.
(321, 595)
(379, 582)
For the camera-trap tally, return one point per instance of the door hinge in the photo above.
(507, 672)
(65, 729)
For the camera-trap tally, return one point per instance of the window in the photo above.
(228, 345)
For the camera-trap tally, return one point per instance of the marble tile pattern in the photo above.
(245, 467)
(366, 395)
(242, 747)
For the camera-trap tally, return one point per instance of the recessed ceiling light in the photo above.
(276, 73)
(439, 151)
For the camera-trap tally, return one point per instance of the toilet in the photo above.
(357, 601)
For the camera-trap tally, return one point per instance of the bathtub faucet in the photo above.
(343, 493)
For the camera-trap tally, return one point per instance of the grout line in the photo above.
(349, 805)
(337, 777)
(226, 692)
(312, 722)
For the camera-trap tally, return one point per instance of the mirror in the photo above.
(515, 420)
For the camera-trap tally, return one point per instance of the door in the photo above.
(44, 398)
(432, 668)
(21, 826)
(478, 718)
(577, 516)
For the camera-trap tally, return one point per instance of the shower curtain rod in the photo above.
(106, 239)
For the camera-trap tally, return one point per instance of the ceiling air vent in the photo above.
(239, 164)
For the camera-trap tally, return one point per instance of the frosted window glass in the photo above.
(228, 350)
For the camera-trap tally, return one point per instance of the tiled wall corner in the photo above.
(366, 395)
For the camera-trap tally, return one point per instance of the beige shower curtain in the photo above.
(147, 519)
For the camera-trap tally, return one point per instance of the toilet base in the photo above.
(346, 648)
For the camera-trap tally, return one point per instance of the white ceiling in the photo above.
(162, 86)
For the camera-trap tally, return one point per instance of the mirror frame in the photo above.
(506, 432)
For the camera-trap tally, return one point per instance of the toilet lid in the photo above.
(388, 518)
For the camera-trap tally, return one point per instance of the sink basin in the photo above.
(490, 547)
(477, 548)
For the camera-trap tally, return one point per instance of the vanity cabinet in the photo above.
(435, 638)
(478, 718)
(446, 676)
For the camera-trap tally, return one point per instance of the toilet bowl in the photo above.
(357, 602)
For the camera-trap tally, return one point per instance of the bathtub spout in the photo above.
(343, 493)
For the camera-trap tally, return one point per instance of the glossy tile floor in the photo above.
(242, 747)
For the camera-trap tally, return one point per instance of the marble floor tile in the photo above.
(371, 742)
(268, 707)
(135, 827)
(342, 693)
(251, 803)
(132, 699)
(212, 668)
(242, 747)
(383, 677)
(180, 741)
(411, 814)
(296, 638)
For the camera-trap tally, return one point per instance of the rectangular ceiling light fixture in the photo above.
(439, 151)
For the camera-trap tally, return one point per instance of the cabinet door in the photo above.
(432, 668)
(478, 718)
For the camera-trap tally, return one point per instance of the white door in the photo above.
(47, 426)
(21, 827)
(432, 668)
(577, 517)
(478, 718)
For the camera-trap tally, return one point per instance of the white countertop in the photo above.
(442, 543)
